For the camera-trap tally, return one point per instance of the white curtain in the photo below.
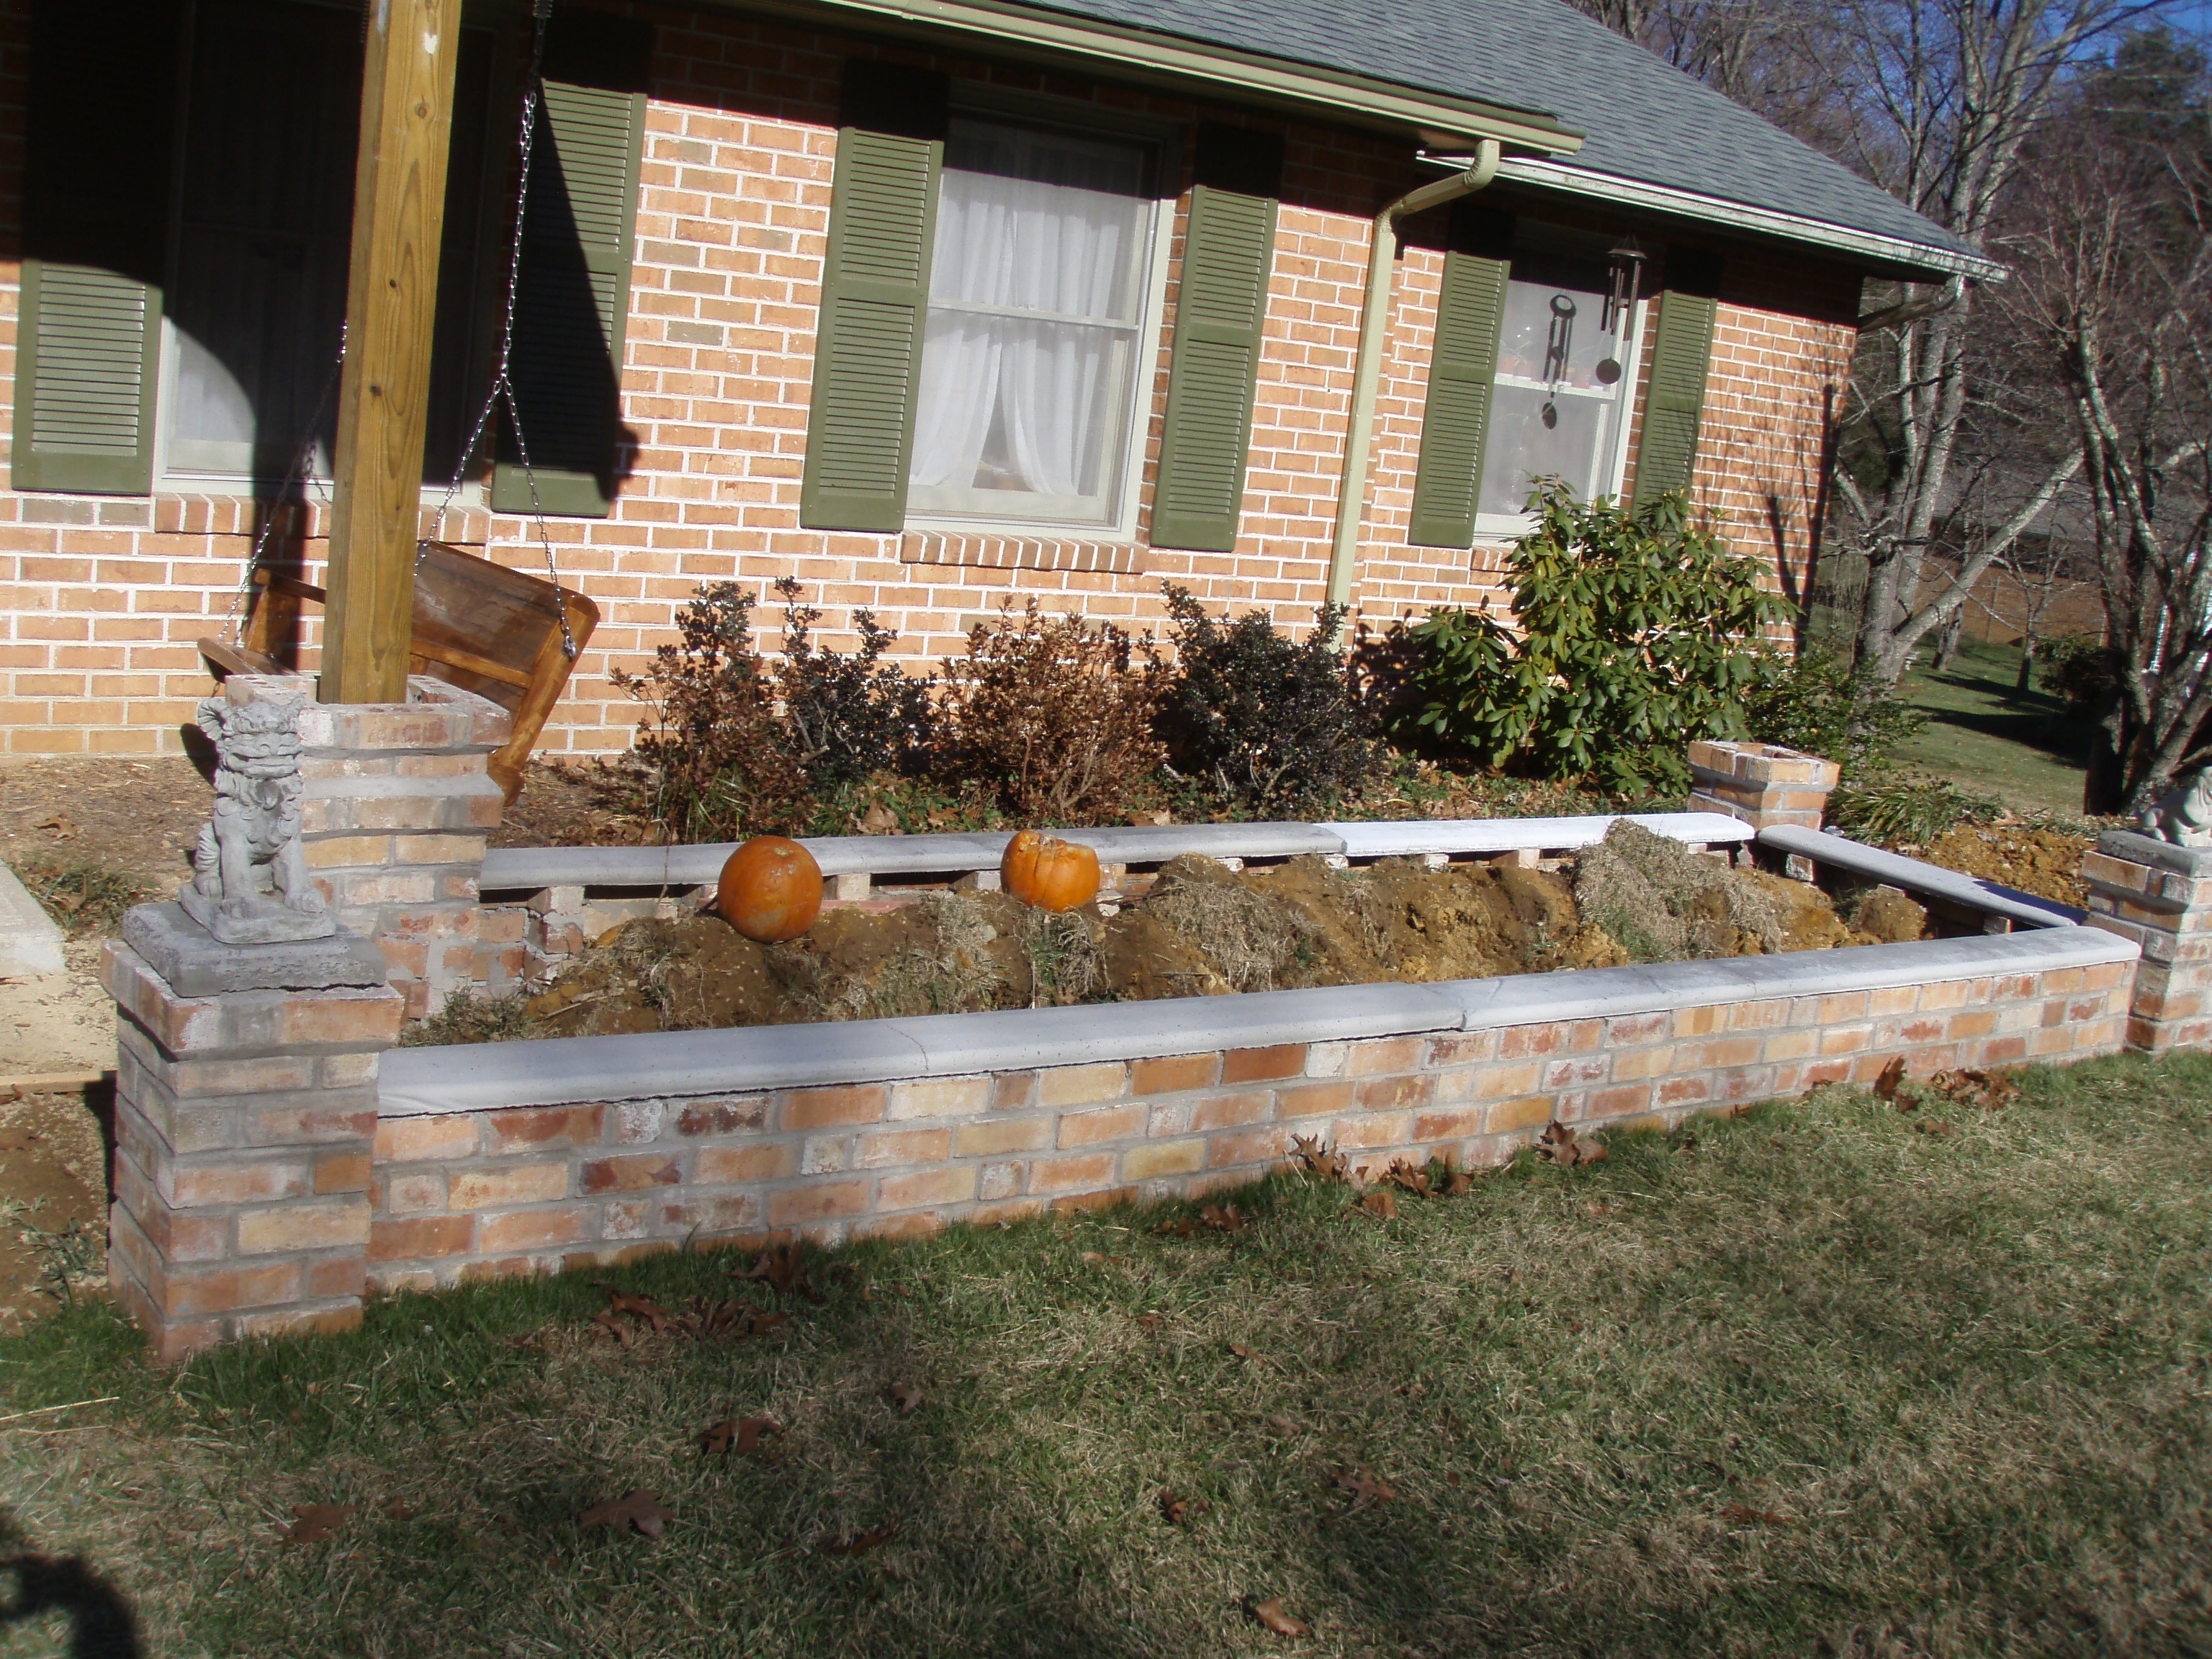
(1027, 222)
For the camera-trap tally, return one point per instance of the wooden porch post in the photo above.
(391, 296)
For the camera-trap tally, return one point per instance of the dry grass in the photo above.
(1820, 1380)
(1662, 902)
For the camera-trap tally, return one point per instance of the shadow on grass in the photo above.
(101, 1624)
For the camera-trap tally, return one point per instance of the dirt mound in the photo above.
(1201, 930)
(2029, 859)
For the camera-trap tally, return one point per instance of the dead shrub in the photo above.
(1056, 714)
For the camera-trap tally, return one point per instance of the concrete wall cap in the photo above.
(530, 869)
(2195, 862)
(566, 1070)
(1916, 876)
(30, 943)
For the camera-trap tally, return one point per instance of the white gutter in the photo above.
(1374, 335)
(1766, 222)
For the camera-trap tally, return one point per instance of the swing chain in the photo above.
(502, 381)
(302, 465)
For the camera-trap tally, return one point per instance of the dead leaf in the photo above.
(1271, 1614)
(1182, 1226)
(905, 1397)
(637, 1306)
(858, 1543)
(1241, 1350)
(1222, 1218)
(1939, 1128)
(1282, 1425)
(1412, 1178)
(741, 1435)
(1975, 1088)
(1152, 1323)
(61, 824)
(317, 1522)
(1180, 1510)
(622, 1333)
(1365, 1489)
(1564, 1147)
(784, 1266)
(1891, 1079)
(1381, 1203)
(638, 1509)
(1324, 1161)
(878, 820)
(1743, 1515)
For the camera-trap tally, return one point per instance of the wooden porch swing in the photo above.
(505, 636)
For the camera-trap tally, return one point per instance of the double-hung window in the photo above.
(1566, 371)
(1039, 330)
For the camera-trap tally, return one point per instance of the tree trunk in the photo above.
(2027, 678)
(1947, 638)
(2106, 789)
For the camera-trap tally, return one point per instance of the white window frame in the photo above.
(1015, 108)
(1512, 526)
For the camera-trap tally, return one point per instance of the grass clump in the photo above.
(1906, 811)
(85, 897)
(1818, 1379)
(1661, 902)
(472, 1016)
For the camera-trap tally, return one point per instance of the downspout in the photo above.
(1374, 332)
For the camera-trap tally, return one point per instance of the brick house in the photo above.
(926, 306)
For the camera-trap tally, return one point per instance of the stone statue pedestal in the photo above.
(258, 921)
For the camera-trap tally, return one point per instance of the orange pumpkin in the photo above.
(1050, 873)
(771, 890)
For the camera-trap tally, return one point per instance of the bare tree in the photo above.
(2114, 249)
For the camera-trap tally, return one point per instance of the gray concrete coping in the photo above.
(1915, 877)
(2193, 862)
(30, 942)
(567, 1071)
(528, 869)
(1406, 837)
(196, 964)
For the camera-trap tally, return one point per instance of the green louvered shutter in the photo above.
(875, 305)
(1674, 404)
(1219, 311)
(1456, 418)
(96, 219)
(572, 301)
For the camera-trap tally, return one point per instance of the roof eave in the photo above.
(1028, 32)
(1876, 248)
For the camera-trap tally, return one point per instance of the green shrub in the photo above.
(1054, 717)
(2080, 672)
(1275, 725)
(1816, 704)
(1904, 811)
(1635, 632)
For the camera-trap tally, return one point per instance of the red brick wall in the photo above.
(100, 599)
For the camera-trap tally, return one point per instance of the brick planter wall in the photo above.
(874, 1135)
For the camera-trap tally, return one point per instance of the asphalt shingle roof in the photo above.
(1644, 120)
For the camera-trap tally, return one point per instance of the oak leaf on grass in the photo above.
(638, 1509)
(1271, 1614)
(316, 1523)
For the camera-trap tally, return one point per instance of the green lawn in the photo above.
(2020, 750)
(1833, 1378)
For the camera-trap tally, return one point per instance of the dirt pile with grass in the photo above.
(1200, 929)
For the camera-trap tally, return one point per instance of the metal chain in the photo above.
(502, 381)
(302, 465)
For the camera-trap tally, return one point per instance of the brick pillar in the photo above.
(1761, 783)
(2160, 895)
(395, 812)
(245, 1116)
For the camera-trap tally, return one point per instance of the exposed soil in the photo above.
(53, 1181)
(1200, 930)
(2030, 859)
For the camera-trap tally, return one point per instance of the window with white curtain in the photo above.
(1041, 308)
(1560, 405)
